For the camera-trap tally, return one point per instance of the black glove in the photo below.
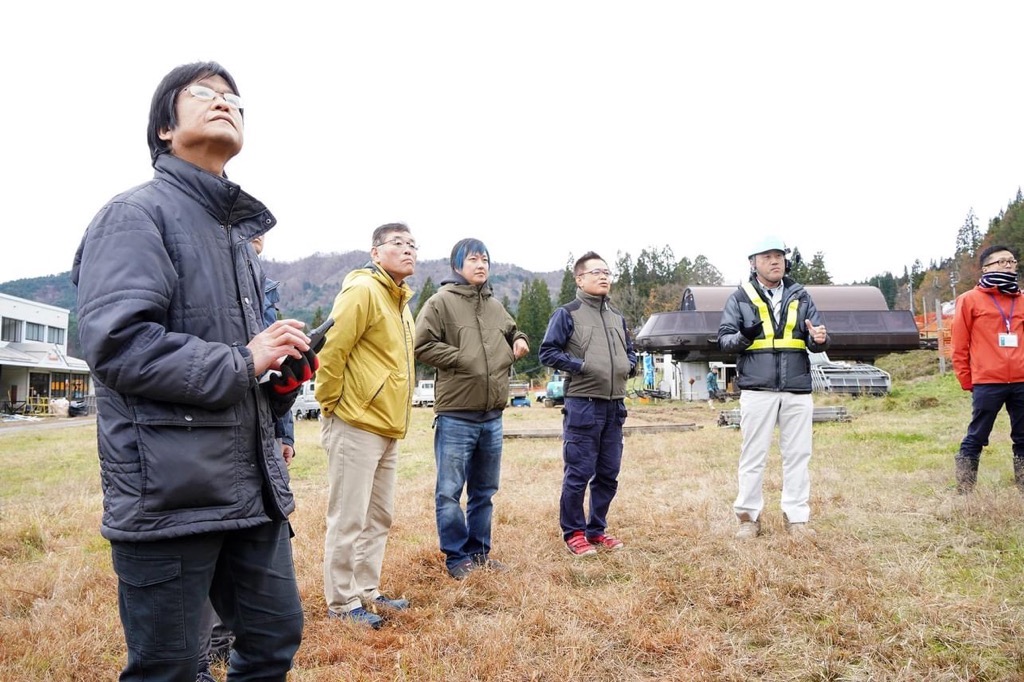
(294, 372)
(753, 331)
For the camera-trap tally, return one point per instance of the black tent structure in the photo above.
(857, 318)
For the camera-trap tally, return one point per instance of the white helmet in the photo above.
(769, 243)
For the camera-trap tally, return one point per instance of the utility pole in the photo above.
(938, 331)
(910, 288)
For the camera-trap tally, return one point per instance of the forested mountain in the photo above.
(652, 282)
(307, 284)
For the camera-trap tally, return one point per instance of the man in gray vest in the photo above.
(771, 322)
(588, 341)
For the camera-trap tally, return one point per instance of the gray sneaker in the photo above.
(749, 529)
(359, 615)
(798, 528)
(205, 676)
(393, 604)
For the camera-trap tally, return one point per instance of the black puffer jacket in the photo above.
(770, 370)
(168, 297)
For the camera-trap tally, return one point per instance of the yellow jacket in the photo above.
(366, 365)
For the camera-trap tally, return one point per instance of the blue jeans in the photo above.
(986, 401)
(592, 454)
(163, 587)
(468, 456)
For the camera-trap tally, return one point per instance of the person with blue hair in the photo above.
(472, 341)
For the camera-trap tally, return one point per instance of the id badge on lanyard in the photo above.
(1007, 339)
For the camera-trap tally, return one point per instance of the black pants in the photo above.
(247, 574)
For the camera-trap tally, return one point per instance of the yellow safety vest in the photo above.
(771, 342)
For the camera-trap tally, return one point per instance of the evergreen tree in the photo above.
(817, 273)
(568, 290)
(428, 290)
(318, 317)
(704, 273)
(800, 270)
(968, 237)
(887, 285)
(423, 370)
(507, 305)
(532, 319)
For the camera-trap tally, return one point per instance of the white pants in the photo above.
(361, 471)
(760, 411)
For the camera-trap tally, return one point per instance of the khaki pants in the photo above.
(361, 471)
(760, 412)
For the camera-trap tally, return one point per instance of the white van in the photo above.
(423, 394)
(305, 405)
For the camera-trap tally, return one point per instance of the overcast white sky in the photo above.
(862, 130)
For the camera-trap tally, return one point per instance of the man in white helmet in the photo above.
(771, 323)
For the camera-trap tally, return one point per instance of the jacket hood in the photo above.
(402, 293)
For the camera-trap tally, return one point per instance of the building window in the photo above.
(58, 385)
(35, 332)
(79, 387)
(10, 330)
(56, 335)
(39, 384)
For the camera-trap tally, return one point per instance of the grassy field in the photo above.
(904, 580)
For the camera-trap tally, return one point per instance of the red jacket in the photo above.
(977, 356)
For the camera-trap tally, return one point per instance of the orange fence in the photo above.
(928, 328)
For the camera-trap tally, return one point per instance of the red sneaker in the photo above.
(606, 541)
(578, 546)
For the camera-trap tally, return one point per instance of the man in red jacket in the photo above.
(988, 358)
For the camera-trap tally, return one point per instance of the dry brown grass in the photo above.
(904, 580)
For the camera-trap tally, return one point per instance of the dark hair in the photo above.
(995, 248)
(384, 230)
(161, 111)
(467, 247)
(577, 269)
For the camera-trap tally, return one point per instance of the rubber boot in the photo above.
(1018, 474)
(967, 474)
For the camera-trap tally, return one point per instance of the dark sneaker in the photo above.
(606, 541)
(393, 604)
(359, 615)
(578, 545)
(462, 569)
(205, 676)
(484, 561)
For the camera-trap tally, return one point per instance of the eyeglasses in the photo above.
(597, 273)
(208, 94)
(399, 244)
(1002, 262)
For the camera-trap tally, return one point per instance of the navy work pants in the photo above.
(592, 455)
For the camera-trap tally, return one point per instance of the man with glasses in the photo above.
(588, 341)
(171, 323)
(988, 359)
(771, 322)
(364, 387)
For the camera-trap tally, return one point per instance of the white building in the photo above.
(34, 364)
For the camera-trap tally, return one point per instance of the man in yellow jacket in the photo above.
(364, 387)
